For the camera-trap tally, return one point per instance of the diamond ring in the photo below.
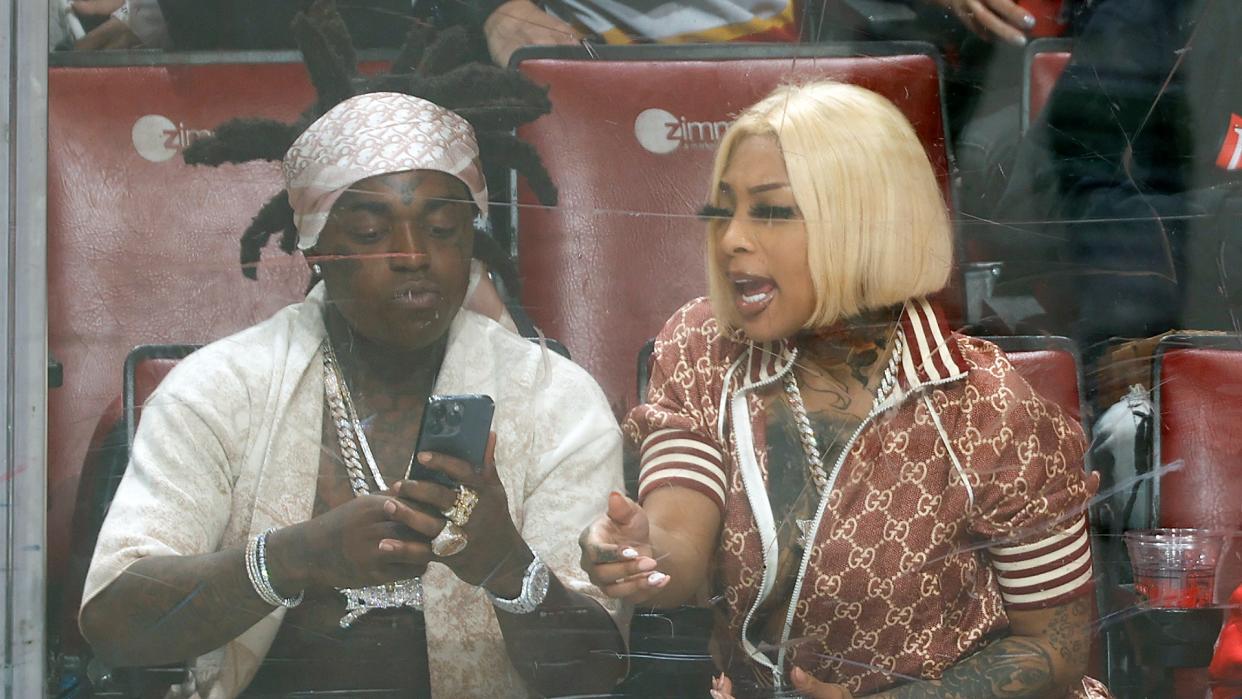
(450, 541)
(461, 510)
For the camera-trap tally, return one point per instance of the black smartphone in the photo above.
(457, 426)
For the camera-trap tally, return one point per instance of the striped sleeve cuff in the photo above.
(1044, 573)
(681, 458)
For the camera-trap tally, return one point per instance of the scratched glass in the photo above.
(1088, 154)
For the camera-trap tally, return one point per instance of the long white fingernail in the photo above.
(656, 578)
(1029, 21)
(629, 553)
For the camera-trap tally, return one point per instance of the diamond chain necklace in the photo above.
(806, 433)
(352, 438)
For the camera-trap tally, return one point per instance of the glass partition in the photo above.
(590, 348)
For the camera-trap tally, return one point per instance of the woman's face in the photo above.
(762, 244)
(395, 254)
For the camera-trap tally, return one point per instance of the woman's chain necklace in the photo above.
(806, 433)
(353, 440)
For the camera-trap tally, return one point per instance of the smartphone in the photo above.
(457, 426)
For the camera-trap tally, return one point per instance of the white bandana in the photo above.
(378, 133)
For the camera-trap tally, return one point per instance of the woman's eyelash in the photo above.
(711, 211)
(765, 212)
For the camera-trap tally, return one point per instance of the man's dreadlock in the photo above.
(435, 68)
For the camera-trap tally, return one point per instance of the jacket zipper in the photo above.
(737, 454)
(777, 670)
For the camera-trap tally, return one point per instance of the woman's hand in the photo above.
(495, 549)
(369, 540)
(806, 686)
(987, 18)
(617, 552)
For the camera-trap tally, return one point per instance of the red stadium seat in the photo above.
(1045, 61)
(143, 248)
(1048, 363)
(1198, 431)
(630, 142)
(1198, 447)
(102, 470)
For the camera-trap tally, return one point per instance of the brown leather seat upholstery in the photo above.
(630, 142)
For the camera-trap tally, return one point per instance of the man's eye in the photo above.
(367, 235)
(769, 213)
(443, 232)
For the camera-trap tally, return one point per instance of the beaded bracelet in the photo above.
(256, 570)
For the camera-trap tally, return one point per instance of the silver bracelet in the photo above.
(256, 570)
(534, 588)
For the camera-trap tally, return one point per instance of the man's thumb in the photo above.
(621, 509)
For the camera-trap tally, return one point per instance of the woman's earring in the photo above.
(317, 269)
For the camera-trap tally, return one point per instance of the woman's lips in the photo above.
(751, 295)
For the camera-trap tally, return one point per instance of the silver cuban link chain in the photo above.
(806, 433)
(354, 447)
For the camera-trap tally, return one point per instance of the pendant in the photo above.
(393, 595)
(808, 535)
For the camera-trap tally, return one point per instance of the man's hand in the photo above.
(519, 23)
(993, 18)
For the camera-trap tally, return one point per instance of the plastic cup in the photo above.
(1174, 568)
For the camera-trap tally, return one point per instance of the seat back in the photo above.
(1049, 363)
(143, 248)
(101, 473)
(145, 367)
(1198, 432)
(630, 143)
(1044, 62)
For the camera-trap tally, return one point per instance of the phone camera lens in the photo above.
(454, 414)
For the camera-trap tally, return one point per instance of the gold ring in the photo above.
(450, 541)
(463, 507)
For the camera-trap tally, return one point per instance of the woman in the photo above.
(873, 502)
(267, 530)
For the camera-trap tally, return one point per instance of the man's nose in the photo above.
(409, 248)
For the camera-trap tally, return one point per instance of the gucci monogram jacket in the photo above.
(960, 496)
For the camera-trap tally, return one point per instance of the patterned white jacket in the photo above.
(228, 446)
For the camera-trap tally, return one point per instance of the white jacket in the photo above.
(228, 446)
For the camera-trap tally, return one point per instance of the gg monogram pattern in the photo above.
(964, 499)
(378, 133)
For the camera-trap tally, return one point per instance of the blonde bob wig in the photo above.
(877, 229)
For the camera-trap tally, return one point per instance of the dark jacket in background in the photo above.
(1122, 189)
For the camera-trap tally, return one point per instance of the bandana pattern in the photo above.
(375, 134)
